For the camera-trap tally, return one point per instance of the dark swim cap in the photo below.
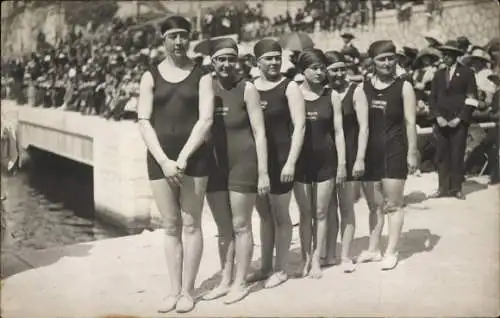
(175, 23)
(223, 46)
(265, 46)
(381, 47)
(333, 57)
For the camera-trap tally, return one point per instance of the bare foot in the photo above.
(258, 276)
(236, 293)
(217, 292)
(315, 271)
(307, 266)
(169, 303)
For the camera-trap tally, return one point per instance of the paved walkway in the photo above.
(449, 267)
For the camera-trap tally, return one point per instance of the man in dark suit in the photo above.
(452, 99)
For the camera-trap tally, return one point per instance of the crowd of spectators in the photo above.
(99, 72)
(250, 22)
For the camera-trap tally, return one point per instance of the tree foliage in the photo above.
(81, 12)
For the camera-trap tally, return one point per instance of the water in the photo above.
(50, 204)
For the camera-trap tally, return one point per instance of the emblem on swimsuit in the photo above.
(381, 104)
(263, 104)
(312, 115)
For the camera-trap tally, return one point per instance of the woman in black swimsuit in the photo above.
(321, 161)
(284, 115)
(391, 151)
(240, 168)
(355, 124)
(174, 121)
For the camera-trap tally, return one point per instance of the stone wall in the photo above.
(19, 34)
(479, 20)
(115, 150)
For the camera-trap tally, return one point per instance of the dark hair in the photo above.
(334, 57)
(309, 57)
(175, 22)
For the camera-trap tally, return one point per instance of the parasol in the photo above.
(296, 41)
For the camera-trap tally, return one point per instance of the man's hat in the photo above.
(347, 35)
(432, 41)
(451, 47)
(477, 54)
(432, 53)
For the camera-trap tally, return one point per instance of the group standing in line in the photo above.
(250, 143)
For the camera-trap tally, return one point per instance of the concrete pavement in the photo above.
(449, 267)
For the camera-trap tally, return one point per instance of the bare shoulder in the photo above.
(206, 79)
(250, 87)
(407, 87)
(358, 89)
(147, 78)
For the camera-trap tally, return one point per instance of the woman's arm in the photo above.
(410, 113)
(252, 101)
(297, 108)
(144, 111)
(338, 128)
(361, 108)
(204, 123)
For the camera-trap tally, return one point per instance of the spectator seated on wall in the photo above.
(486, 142)
(124, 103)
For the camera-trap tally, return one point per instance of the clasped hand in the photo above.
(173, 171)
(452, 123)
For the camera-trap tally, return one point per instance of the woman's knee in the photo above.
(282, 219)
(241, 225)
(347, 215)
(190, 224)
(393, 205)
(172, 226)
(394, 198)
(321, 213)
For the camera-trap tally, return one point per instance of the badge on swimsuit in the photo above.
(263, 104)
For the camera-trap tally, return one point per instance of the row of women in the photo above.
(246, 144)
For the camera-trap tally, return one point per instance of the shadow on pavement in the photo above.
(411, 242)
(416, 241)
(471, 186)
(415, 197)
(14, 261)
(207, 285)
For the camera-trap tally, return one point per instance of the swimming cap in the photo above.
(223, 46)
(175, 24)
(265, 46)
(334, 57)
(381, 47)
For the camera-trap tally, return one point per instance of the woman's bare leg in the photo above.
(393, 191)
(330, 250)
(242, 205)
(166, 198)
(192, 197)
(283, 227)
(322, 194)
(303, 196)
(280, 207)
(375, 200)
(267, 239)
(347, 220)
(221, 211)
